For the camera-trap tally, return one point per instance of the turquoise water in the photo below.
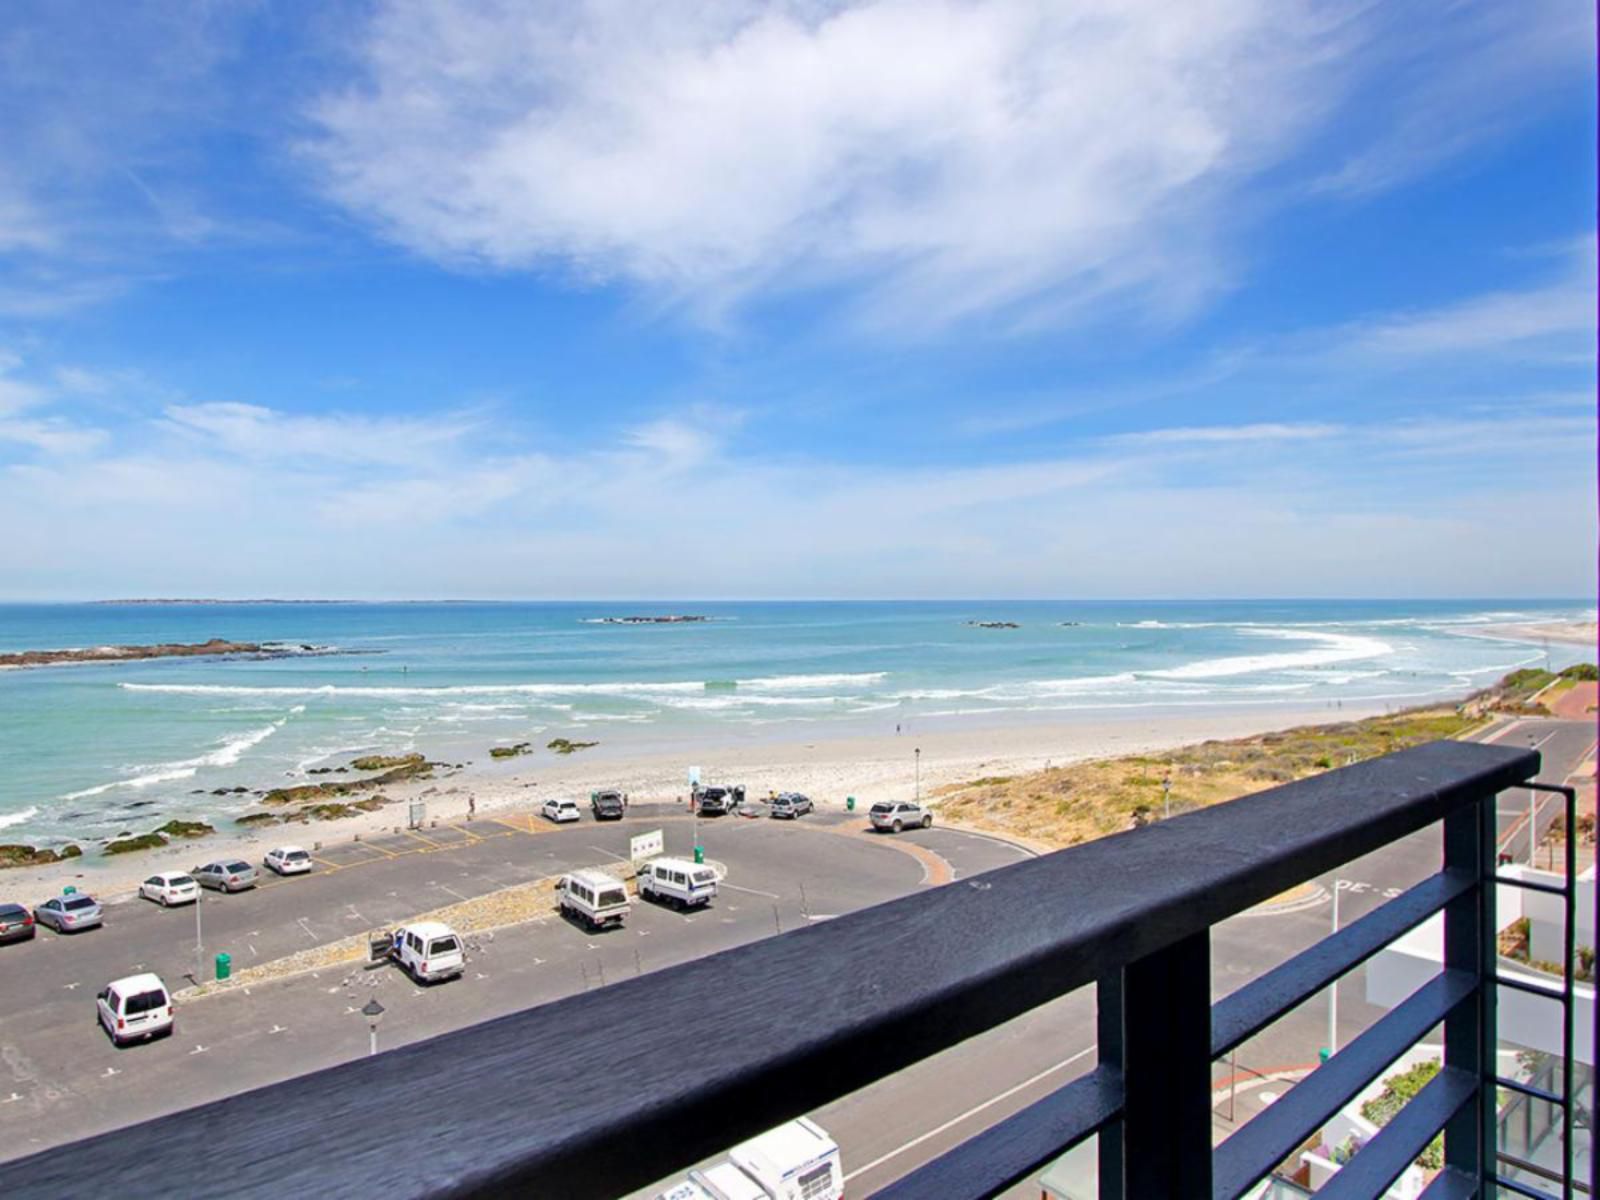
(88, 750)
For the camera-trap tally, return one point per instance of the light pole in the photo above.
(918, 753)
(1533, 814)
(199, 947)
(373, 1012)
(1166, 794)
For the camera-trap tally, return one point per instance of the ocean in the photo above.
(89, 750)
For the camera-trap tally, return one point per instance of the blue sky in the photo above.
(1074, 298)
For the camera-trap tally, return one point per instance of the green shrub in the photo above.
(1397, 1089)
(1583, 672)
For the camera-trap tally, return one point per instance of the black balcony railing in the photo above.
(596, 1095)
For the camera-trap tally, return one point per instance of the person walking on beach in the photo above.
(472, 807)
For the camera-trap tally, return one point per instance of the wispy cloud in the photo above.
(256, 432)
(1203, 435)
(950, 158)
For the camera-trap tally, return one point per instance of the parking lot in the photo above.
(60, 1078)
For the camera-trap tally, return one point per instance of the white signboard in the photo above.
(694, 776)
(646, 845)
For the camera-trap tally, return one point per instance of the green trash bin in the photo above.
(699, 854)
(224, 965)
(850, 803)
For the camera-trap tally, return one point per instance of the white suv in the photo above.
(560, 811)
(135, 1007)
(899, 814)
(288, 860)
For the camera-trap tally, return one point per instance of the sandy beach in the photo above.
(868, 768)
(1568, 633)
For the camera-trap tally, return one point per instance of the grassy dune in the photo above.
(1067, 805)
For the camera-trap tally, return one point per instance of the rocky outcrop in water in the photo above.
(215, 648)
(31, 856)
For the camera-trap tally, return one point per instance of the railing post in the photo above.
(1166, 1040)
(1111, 1049)
(1470, 1032)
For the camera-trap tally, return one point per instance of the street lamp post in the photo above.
(1166, 794)
(1333, 988)
(918, 753)
(373, 1012)
(199, 946)
(1533, 814)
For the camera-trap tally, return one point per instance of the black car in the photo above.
(16, 923)
(608, 805)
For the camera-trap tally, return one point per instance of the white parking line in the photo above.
(971, 1112)
(752, 891)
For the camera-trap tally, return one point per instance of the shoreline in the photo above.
(1567, 633)
(868, 767)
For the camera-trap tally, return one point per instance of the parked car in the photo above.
(796, 1161)
(135, 1007)
(16, 923)
(428, 951)
(677, 881)
(230, 875)
(714, 801)
(288, 860)
(69, 914)
(609, 805)
(561, 810)
(167, 888)
(593, 897)
(790, 805)
(900, 814)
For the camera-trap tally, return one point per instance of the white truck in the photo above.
(795, 1161)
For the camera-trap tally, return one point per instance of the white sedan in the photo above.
(288, 860)
(560, 811)
(169, 888)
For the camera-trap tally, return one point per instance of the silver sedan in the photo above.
(229, 875)
(69, 914)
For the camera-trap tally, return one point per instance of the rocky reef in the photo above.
(215, 648)
(994, 624)
(563, 746)
(31, 856)
(669, 620)
(511, 751)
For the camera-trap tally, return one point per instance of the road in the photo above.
(60, 1079)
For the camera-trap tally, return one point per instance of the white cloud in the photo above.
(1012, 156)
(1563, 309)
(1229, 434)
(1385, 508)
(1456, 76)
(255, 432)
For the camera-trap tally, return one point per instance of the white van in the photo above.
(795, 1161)
(678, 882)
(595, 898)
(135, 1007)
(428, 951)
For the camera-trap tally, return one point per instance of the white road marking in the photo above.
(278, 1029)
(608, 853)
(70, 986)
(110, 1071)
(198, 1050)
(253, 953)
(12, 1098)
(452, 891)
(971, 1112)
(753, 891)
(307, 928)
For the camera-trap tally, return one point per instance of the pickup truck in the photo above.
(714, 801)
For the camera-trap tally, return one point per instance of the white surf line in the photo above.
(971, 1112)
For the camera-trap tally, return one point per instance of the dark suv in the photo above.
(608, 805)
